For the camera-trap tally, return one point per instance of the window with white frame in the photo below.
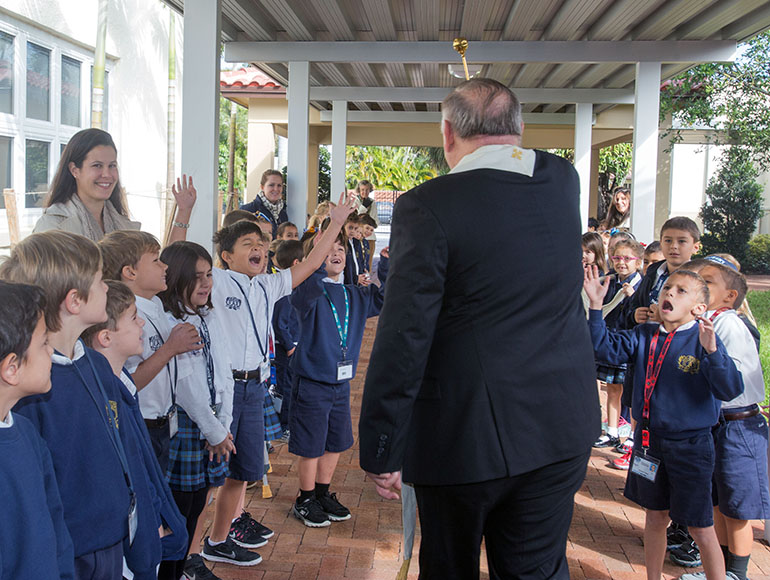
(44, 100)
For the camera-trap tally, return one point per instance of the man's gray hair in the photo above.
(482, 107)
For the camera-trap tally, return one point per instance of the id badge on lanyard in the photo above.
(645, 466)
(133, 519)
(173, 423)
(344, 366)
(344, 370)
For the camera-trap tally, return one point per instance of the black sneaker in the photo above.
(676, 535)
(606, 441)
(687, 555)
(230, 553)
(195, 569)
(310, 513)
(248, 532)
(333, 508)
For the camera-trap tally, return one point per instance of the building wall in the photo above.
(137, 65)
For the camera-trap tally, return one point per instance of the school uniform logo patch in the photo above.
(112, 411)
(233, 303)
(155, 342)
(689, 364)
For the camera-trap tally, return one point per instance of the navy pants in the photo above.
(523, 520)
(104, 564)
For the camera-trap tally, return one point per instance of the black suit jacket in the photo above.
(482, 366)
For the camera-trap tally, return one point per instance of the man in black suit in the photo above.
(482, 386)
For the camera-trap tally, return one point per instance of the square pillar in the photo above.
(299, 141)
(644, 172)
(200, 114)
(312, 181)
(339, 147)
(260, 153)
(583, 121)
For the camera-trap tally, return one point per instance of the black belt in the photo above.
(740, 414)
(157, 423)
(247, 375)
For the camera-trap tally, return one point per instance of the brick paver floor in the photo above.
(605, 539)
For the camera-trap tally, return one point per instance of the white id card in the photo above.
(344, 370)
(133, 520)
(645, 466)
(173, 424)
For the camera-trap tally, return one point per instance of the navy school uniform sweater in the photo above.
(257, 207)
(34, 541)
(641, 298)
(355, 255)
(691, 383)
(93, 489)
(318, 351)
(158, 507)
(285, 329)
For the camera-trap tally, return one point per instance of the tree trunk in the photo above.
(97, 85)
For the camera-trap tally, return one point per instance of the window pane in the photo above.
(6, 148)
(6, 73)
(38, 82)
(70, 91)
(36, 162)
(106, 98)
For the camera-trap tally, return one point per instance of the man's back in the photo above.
(483, 323)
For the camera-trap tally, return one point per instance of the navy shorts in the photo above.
(740, 472)
(104, 563)
(683, 484)
(248, 429)
(320, 418)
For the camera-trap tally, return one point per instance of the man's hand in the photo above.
(595, 288)
(387, 484)
(339, 213)
(708, 337)
(183, 338)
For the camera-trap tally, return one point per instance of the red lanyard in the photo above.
(651, 378)
(718, 312)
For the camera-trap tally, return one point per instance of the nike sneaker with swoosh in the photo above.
(230, 553)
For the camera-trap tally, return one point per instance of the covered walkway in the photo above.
(605, 540)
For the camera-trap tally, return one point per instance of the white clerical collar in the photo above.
(503, 157)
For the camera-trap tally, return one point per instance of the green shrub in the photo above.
(758, 255)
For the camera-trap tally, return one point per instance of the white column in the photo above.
(583, 121)
(645, 163)
(299, 141)
(339, 145)
(200, 113)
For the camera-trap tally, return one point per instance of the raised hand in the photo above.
(594, 287)
(343, 209)
(185, 193)
(708, 338)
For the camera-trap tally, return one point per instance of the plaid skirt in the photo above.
(611, 375)
(272, 421)
(189, 468)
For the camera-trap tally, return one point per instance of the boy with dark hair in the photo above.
(332, 320)
(245, 299)
(237, 215)
(740, 437)
(133, 257)
(356, 268)
(651, 255)
(286, 330)
(34, 541)
(83, 407)
(688, 372)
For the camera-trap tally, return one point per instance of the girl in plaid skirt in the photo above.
(201, 448)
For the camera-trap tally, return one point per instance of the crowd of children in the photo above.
(676, 345)
(135, 380)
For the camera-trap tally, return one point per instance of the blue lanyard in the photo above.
(262, 349)
(168, 368)
(206, 338)
(111, 420)
(342, 331)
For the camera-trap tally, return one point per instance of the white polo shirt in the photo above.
(155, 398)
(193, 393)
(233, 295)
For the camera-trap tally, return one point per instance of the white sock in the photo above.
(213, 543)
(612, 431)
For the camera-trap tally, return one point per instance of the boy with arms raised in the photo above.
(740, 437)
(681, 368)
(34, 541)
(332, 320)
(245, 299)
(79, 417)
